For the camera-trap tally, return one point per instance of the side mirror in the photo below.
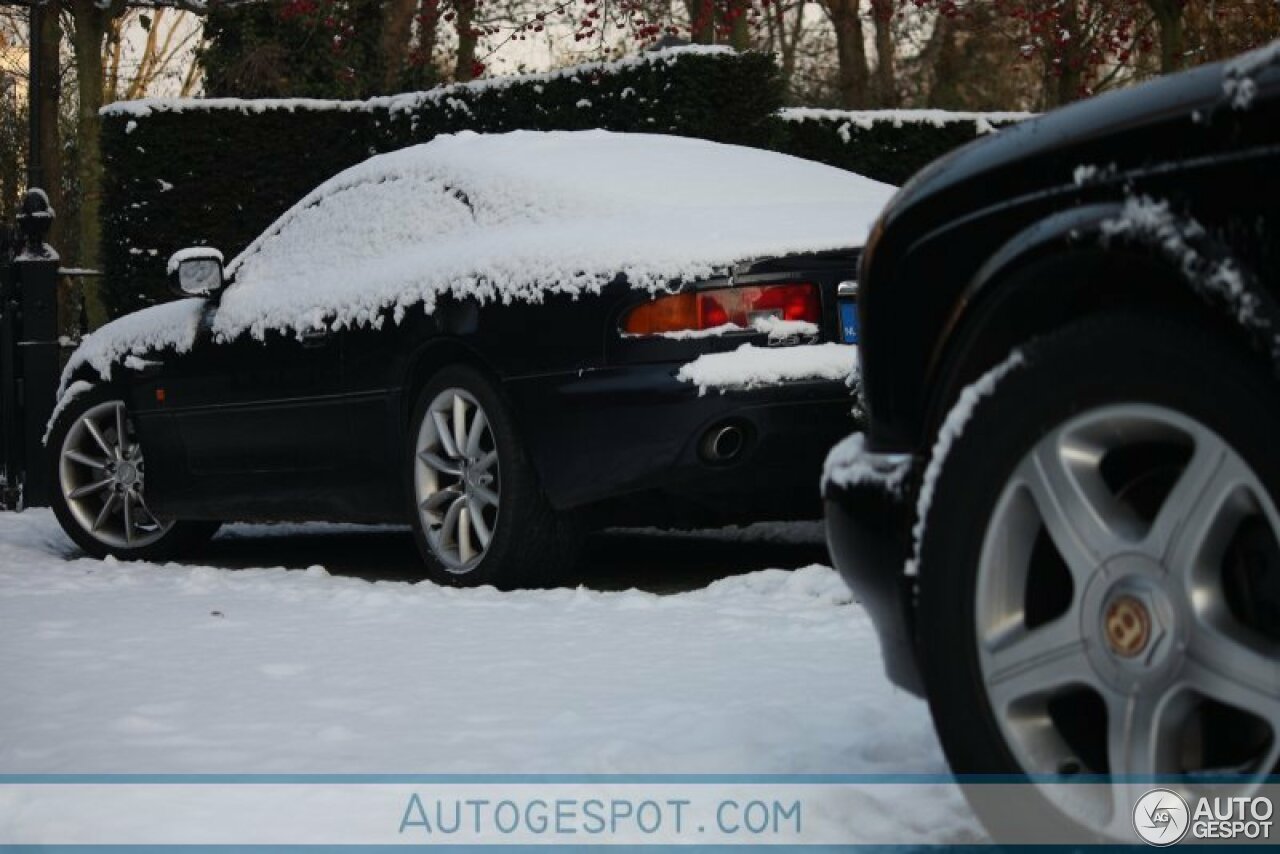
(196, 272)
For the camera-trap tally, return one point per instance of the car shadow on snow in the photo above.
(648, 559)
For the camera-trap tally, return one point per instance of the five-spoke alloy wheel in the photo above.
(1106, 514)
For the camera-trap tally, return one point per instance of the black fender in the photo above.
(1130, 252)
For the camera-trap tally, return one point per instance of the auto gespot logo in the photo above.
(1162, 817)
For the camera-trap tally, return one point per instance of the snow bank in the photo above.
(751, 367)
(510, 217)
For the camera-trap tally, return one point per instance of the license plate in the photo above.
(849, 322)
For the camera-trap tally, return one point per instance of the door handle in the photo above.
(316, 337)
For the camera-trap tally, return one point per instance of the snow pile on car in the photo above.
(751, 367)
(515, 216)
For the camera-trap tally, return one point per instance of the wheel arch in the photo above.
(430, 359)
(1090, 260)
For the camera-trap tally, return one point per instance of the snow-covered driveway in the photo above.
(128, 668)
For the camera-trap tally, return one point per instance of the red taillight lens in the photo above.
(709, 309)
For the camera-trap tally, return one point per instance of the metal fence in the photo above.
(30, 354)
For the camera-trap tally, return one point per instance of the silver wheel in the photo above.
(1116, 609)
(456, 479)
(102, 477)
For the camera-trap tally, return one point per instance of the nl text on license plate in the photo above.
(849, 322)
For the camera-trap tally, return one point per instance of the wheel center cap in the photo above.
(1126, 625)
(126, 474)
(1134, 620)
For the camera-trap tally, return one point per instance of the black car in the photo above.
(1062, 516)
(496, 340)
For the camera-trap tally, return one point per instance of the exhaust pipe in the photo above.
(723, 444)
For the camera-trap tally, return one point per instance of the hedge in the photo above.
(888, 145)
(216, 172)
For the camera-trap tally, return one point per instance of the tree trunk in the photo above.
(90, 23)
(702, 21)
(1168, 14)
(47, 102)
(886, 74)
(397, 26)
(739, 28)
(1070, 70)
(851, 52)
(464, 68)
(943, 55)
(428, 29)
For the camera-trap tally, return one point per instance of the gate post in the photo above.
(30, 354)
(10, 420)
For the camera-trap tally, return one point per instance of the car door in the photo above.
(260, 429)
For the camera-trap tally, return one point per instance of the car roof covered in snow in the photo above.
(523, 214)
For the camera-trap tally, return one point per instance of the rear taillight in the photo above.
(698, 310)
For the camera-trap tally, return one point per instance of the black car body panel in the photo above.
(1013, 235)
(1176, 139)
(293, 428)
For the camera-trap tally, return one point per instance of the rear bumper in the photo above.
(628, 443)
(869, 518)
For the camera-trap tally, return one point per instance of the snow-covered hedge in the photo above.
(219, 171)
(888, 145)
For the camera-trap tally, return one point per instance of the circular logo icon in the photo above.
(1161, 817)
(1128, 626)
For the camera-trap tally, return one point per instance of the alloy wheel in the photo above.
(457, 482)
(102, 476)
(1125, 608)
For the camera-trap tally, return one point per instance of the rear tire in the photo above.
(1064, 519)
(478, 513)
(98, 472)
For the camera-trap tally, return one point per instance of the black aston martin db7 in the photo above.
(494, 340)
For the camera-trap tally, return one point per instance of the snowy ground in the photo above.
(131, 668)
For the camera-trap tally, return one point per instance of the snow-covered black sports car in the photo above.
(499, 340)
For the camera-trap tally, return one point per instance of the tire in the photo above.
(1123, 465)
(98, 495)
(478, 513)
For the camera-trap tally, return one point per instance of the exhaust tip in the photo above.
(723, 443)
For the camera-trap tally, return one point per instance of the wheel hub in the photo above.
(1134, 622)
(126, 474)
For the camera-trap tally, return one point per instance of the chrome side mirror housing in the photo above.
(196, 272)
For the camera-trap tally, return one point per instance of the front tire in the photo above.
(99, 477)
(479, 514)
(1106, 524)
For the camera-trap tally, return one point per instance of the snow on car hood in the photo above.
(517, 216)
